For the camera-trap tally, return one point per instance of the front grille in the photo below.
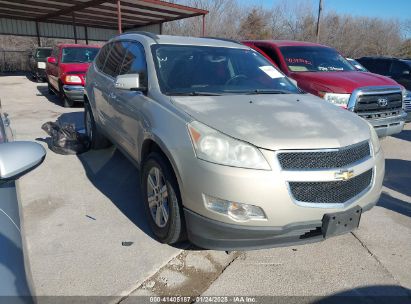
(407, 104)
(335, 192)
(369, 103)
(324, 159)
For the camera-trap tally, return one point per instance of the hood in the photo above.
(281, 121)
(341, 82)
(75, 68)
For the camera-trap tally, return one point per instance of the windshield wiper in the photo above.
(193, 93)
(258, 91)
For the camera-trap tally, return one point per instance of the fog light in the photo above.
(236, 211)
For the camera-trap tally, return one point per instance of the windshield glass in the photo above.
(43, 53)
(314, 59)
(77, 54)
(202, 70)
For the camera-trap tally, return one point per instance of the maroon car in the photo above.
(322, 71)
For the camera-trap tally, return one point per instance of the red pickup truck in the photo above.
(66, 70)
(322, 71)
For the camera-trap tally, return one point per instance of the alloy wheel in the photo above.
(158, 196)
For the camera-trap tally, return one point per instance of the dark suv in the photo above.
(397, 69)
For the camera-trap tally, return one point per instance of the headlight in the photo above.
(215, 147)
(375, 141)
(236, 211)
(72, 79)
(337, 99)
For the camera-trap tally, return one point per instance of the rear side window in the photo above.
(398, 68)
(101, 58)
(135, 62)
(270, 53)
(378, 66)
(114, 59)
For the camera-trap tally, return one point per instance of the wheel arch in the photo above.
(154, 144)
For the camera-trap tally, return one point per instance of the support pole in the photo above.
(86, 33)
(38, 34)
(320, 8)
(203, 25)
(120, 28)
(74, 27)
(161, 28)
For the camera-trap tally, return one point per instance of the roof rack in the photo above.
(223, 39)
(148, 34)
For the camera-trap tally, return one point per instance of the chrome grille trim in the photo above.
(324, 158)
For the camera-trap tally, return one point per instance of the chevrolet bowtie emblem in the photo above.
(344, 175)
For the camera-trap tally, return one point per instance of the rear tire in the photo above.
(97, 140)
(165, 198)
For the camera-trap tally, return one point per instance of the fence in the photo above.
(14, 60)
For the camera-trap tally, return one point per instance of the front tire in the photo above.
(97, 140)
(162, 200)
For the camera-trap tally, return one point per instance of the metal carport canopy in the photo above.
(110, 14)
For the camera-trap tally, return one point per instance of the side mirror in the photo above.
(52, 60)
(129, 82)
(19, 157)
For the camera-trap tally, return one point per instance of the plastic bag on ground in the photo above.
(65, 139)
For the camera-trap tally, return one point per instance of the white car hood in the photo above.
(278, 121)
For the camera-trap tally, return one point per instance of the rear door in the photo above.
(127, 104)
(100, 82)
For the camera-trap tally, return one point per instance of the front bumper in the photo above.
(74, 92)
(287, 220)
(389, 126)
(211, 234)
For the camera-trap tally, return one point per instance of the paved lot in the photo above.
(78, 210)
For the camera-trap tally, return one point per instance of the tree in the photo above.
(255, 25)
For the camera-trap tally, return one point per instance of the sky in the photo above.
(389, 9)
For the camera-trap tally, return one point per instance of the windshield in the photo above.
(77, 54)
(43, 53)
(202, 70)
(314, 59)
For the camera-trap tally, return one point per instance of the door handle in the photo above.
(112, 95)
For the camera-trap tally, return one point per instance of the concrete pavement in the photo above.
(77, 211)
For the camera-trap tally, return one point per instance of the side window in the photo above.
(135, 62)
(114, 59)
(270, 52)
(379, 66)
(398, 68)
(102, 55)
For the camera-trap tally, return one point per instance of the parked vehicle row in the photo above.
(232, 154)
